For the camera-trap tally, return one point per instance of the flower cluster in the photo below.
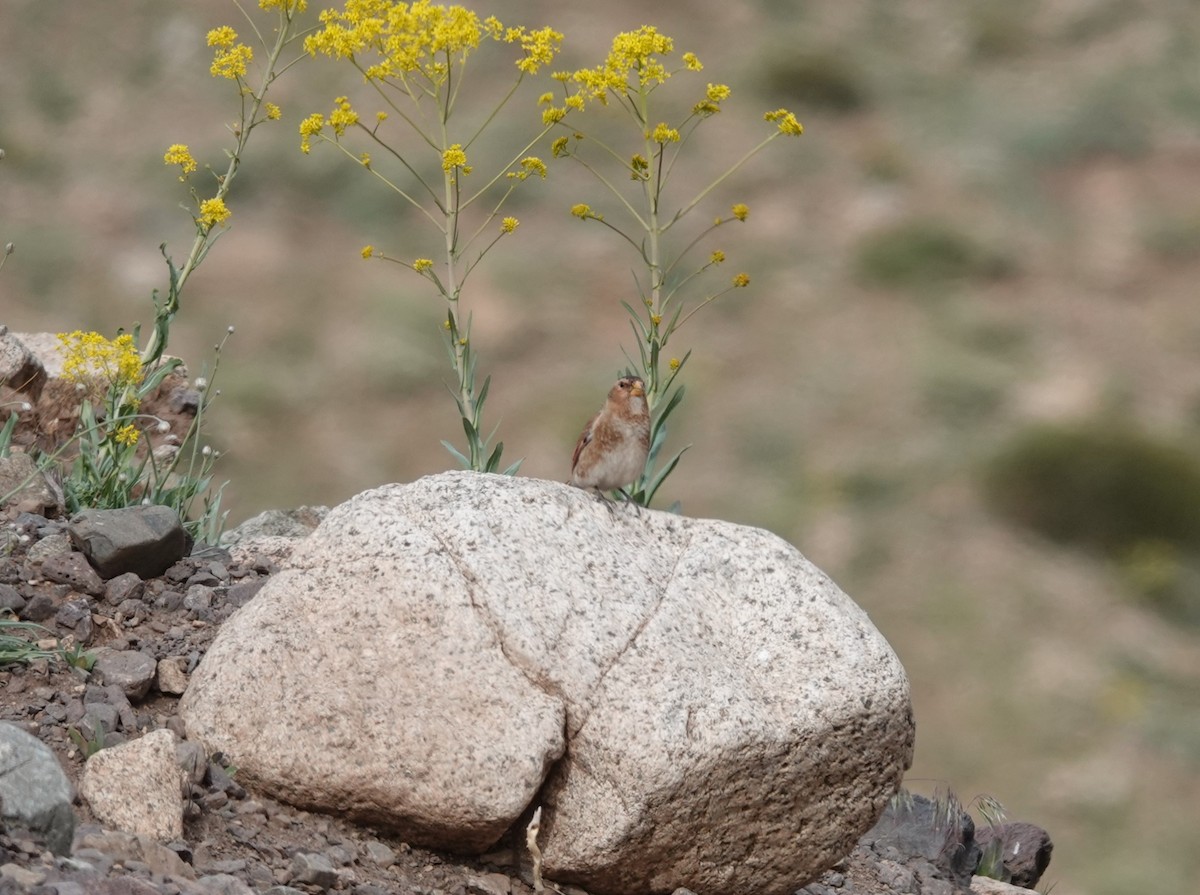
(97, 363)
(178, 154)
(420, 38)
(231, 58)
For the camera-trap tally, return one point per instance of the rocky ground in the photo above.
(237, 841)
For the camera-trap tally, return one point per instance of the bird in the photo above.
(611, 452)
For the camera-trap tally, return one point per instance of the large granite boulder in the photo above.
(692, 703)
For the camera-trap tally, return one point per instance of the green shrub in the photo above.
(1102, 485)
(924, 253)
(819, 80)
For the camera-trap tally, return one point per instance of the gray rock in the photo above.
(71, 613)
(223, 884)
(11, 599)
(73, 569)
(137, 786)
(39, 608)
(99, 719)
(272, 535)
(130, 670)
(127, 847)
(171, 677)
(20, 369)
(489, 884)
(693, 703)
(51, 545)
(127, 586)
(938, 830)
(31, 490)
(34, 791)
(192, 760)
(146, 540)
(380, 854)
(242, 592)
(313, 869)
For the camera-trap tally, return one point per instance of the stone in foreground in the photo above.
(146, 540)
(137, 786)
(34, 792)
(692, 702)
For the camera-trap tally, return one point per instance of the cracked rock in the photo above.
(684, 696)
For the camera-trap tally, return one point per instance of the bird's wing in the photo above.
(584, 438)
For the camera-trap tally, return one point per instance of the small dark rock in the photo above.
(191, 759)
(220, 781)
(312, 869)
(126, 586)
(73, 569)
(1024, 850)
(146, 540)
(99, 719)
(11, 599)
(130, 670)
(241, 593)
(70, 614)
(39, 608)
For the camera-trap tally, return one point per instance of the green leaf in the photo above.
(661, 477)
(466, 464)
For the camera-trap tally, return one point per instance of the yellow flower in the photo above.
(741, 280)
(365, 159)
(553, 115)
(786, 122)
(674, 363)
(223, 37)
(213, 212)
(127, 434)
(539, 46)
(177, 154)
(740, 211)
(717, 257)
(231, 63)
(422, 264)
(656, 319)
(274, 113)
(285, 5)
(508, 225)
(582, 211)
(342, 116)
(381, 116)
(664, 134)
(559, 147)
(368, 251)
(309, 128)
(455, 157)
(529, 165)
(692, 63)
(94, 361)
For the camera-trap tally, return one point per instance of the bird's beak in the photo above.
(637, 391)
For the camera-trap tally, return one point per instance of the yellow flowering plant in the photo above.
(108, 461)
(414, 58)
(232, 60)
(638, 66)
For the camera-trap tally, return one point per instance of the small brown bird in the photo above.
(612, 450)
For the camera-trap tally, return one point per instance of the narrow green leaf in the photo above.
(457, 454)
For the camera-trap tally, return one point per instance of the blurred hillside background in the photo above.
(963, 380)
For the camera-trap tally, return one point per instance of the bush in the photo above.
(818, 80)
(924, 253)
(1100, 485)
